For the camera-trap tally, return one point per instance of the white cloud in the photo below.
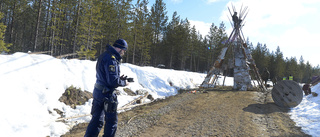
(298, 36)
(299, 41)
(202, 27)
(177, 1)
(212, 1)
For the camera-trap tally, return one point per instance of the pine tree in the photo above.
(291, 67)
(90, 27)
(17, 17)
(159, 20)
(280, 64)
(261, 56)
(216, 37)
(185, 43)
(109, 27)
(37, 26)
(76, 26)
(302, 68)
(213, 48)
(194, 49)
(170, 40)
(142, 34)
(123, 8)
(203, 52)
(271, 66)
(4, 47)
(137, 30)
(307, 77)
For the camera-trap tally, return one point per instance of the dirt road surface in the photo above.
(205, 113)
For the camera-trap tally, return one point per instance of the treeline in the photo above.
(280, 67)
(85, 27)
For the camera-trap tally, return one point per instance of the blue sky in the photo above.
(293, 25)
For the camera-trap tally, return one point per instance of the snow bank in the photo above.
(307, 113)
(32, 84)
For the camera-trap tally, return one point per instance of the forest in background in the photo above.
(83, 28)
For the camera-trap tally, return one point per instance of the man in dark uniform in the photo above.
(306, 88)
(265, 75)
(104, 105)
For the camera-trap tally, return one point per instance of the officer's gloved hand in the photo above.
(123, 77)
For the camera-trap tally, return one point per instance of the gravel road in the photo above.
(205, 113)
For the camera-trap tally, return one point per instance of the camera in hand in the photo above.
(130, 79)
(123, 77)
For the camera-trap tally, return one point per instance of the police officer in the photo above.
(104, 105)
(265, 76)
(290, 77)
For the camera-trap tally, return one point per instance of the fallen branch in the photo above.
(142, 99)
(135, 100)
(127, 107)
(61, 119)
(132, 118)
(40, 52)
(66, 55)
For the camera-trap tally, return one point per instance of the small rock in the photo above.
(141, 92)
(314, 94)
(150, 97)
(129, 92)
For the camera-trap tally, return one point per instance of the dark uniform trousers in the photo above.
(99, 115)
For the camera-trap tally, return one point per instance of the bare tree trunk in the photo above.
(198, 63)
(89, 33)
(12, 23)
(182, 64)
(37, 27)
(142, 59)
(89, 30)
(59, 34)
(101, 47)
(46, 27)
(191, 62)
(77, 24)
(62, 42)
(134, 47)
(53, 31)
(171, 56)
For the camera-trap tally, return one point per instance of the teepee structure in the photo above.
(241, 63)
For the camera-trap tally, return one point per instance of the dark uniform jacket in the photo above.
(108, 71)
(305, 87)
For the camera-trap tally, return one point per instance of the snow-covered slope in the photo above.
(307, 113)
(32, 84)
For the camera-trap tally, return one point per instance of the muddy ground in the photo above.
(205, 113)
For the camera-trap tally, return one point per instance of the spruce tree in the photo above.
(301, 69)
(213, 49)
(280, 64)
(4, 47)
(90, 26)
(159, 20)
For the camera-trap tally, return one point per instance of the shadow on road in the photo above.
(265, 108)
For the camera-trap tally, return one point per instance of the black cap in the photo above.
(121, 43)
